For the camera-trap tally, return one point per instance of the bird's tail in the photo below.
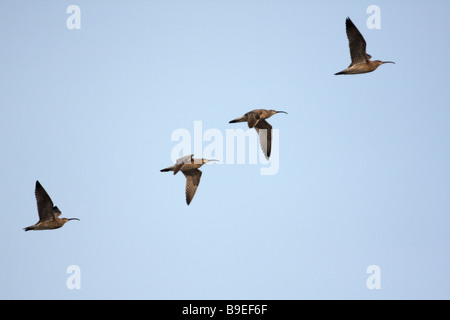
(240, 119)
(171, 168)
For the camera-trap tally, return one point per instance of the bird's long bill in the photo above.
(282, 112)
(389, 62)
(212, 160)
(73, 219)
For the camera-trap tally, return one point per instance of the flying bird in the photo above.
(257, 119)
(48, 214)
(361, 62)
(189, 167)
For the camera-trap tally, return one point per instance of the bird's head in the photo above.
(272, 112)
(68, 219)
(206, 160)
(379, 62)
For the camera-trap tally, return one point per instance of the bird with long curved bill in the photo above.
(189, 167)
(257, 119)
(361, 62)
(48, 213)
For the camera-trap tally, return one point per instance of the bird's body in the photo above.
(48, 214)
(47, 225)
(189, 167)
(361, 62)
(257, 119)
(365, 67)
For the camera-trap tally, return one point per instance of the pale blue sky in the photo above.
(363, 176)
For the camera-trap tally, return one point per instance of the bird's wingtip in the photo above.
(349, 23)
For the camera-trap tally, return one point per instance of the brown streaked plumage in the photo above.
(48, 214)
(361, 62)
(189, 167)
(257, 119)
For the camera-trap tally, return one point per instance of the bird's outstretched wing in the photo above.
(264, 130)
(181, 162)
(192, 181)
(356, 43)
(252, 119)
(44, 203)
(56, 212)
(185, 159)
